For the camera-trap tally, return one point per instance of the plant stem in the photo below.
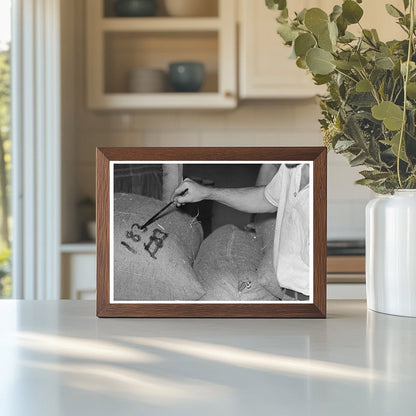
(406, 80)
(373, 88)
(346, 75)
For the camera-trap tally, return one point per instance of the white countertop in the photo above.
(57, 358)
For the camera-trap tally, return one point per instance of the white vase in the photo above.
(391, 253)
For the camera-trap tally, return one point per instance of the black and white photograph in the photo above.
(211, 232)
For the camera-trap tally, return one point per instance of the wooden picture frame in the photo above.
(314, 156)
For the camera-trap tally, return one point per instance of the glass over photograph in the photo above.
(211, 232)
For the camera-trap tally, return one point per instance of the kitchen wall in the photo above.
(254, 123)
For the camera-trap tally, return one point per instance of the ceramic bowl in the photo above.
(147, 80)
(191, 8)
(135, 8)
(186, 76)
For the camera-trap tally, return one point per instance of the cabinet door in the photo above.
(78, 276)
(376, 17)
(266, 71)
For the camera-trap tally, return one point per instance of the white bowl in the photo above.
(147, 80)
(191, 8)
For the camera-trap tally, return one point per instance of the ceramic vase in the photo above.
(391, 253)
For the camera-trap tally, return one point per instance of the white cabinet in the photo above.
(264, 66)
(265, 69)
(78, 262)
(118, 45)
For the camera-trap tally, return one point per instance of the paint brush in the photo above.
(161, 211)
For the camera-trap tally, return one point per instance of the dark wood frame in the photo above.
(317, 309)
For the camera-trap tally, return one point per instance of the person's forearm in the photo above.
(251, 200)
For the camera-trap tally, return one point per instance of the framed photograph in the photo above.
(211, 232)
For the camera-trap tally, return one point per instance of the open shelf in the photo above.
(210, 7)
(167, 100)
(127, 51)
(160, 24)
(84, 247)
(119, 45)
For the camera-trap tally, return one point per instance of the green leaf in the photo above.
(354, 132)
(365, 182)
(394, 145)
(382, 89)
(287, 33)
(405, 21)
(301, 15)
(362, 99)
(351, 11)
(358, 61)
(412, 67)
(375, 35)
(406, 4)
(388, 112)
(344, 65)
(368, 36)
(363, 86)
(358, 160)
(316, 20)
(411, 90)
(301, 63)
(336, 12)
(347, 37)
(319, 61)
(292, 53)
(303, 43)
(384, 62)
(342, 25)
(343, 145)
(276, 4)
(321, 79)
(333, 32)
(282, 20)
(374, 150)
(411, 124)
(325, 42)
(374, 175)
(393, 11)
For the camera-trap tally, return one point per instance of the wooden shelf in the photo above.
(85, 247)
(346, 264)
(346, 269)
(127, 101)
(160, 24)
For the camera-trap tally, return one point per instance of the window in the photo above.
(5, 147)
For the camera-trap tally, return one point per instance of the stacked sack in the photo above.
(154, 264)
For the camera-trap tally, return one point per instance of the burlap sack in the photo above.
(168, 275)
(226, 266)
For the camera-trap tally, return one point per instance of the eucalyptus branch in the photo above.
(390, 96)
(406, 80)
(398, 95)
(346, 75)
(373, 88)
(392, 90)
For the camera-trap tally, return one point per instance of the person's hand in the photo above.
(195, 193)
